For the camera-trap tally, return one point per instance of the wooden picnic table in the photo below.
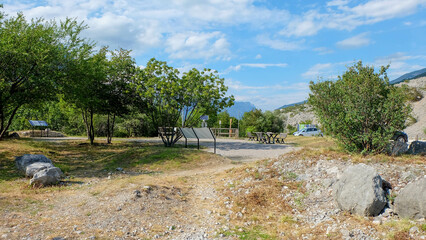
(260, 137)
(268, 137)
(271, 137)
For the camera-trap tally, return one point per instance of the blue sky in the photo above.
(268, 50)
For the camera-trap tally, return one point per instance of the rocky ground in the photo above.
(284, 197)
(419, 110)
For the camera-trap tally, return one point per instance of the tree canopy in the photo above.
(361, 109)
(32, 58)
(173, 100)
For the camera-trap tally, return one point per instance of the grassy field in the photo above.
(79, 159)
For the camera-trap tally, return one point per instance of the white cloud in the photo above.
(341, 16)
(254, 65)
(195, 45)
(400, 63)
(258, 56)
(279, 44)
(318, 70)
(307, 25)
(357, 41)
(323, 50)
(337, 3)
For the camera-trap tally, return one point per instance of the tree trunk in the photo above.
(5, 128)
(110, 128)
(92, 130)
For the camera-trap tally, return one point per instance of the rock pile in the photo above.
(39, 168)
(360, 190)
(411, 201)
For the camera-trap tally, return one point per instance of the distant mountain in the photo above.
(293, 104)
(410, 75)
(239, 108)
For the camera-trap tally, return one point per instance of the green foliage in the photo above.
(361, 109)
(412, 94)
(166, 95)
(224, 118)
(291, 129)
(33, 56)
(256, 121)
(248, 234)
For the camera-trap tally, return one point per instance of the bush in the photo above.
(361, 110)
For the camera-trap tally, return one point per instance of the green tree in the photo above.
(361, 109)
(121, 70)
(85, 86)
(249, 121)
(173, 101)
(32, 57)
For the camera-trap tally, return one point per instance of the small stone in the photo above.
(377, 221)
(414, 229)
(119, 169)
(137, 193)
(118, 209)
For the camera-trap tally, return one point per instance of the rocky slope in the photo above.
(419, 110)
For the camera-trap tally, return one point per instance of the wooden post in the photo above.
(230, 126)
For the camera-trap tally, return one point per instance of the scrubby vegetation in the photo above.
(361, 109)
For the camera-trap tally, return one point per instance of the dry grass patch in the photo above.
(256, 199)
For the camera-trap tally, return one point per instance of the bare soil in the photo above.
(251, 191)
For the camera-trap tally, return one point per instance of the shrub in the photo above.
(361, 110)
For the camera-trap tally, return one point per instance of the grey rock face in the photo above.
(411, 201)
(396, 148)
(45, 177)
(359, 190)
(23, 161)
(417, 147)
(35, 167)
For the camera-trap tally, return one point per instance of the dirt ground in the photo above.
(233, 196)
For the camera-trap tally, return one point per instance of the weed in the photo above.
(287, 219)
(248, 234)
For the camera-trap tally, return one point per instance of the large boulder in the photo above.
(359, 190)
(45, 177)
(23, 161)
(396, 148)
(411, 201)
(417, 147)
(35, 167)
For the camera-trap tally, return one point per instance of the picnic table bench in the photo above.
(268, 137)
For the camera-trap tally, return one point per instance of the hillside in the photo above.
(239, 108)
(410, 75)
(419, 109)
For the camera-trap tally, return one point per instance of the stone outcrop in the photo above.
(396, 148)
(411, 200)
(45, 177)
(36, 167)
(39, 168)
(417, 147)
(360, 190)
(23, 161)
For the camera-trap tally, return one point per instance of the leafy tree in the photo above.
(270, 122)
(85, 86)
(32, 56)
(173, 101)
(249, 121)
(121, 70)
(361, 109)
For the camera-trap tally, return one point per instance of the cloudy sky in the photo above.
(268, 51)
